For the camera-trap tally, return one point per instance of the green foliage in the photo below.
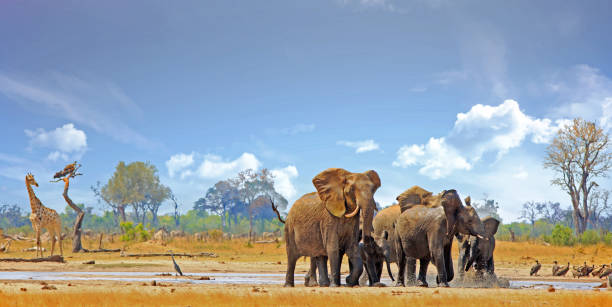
(562, 235)
(589, 237)
(607, 238)
(134, 233)
(215, 234)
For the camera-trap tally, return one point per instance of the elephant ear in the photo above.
(412, 197)
(452, 204)
(490, 226)
(330, 188)
(373, 175)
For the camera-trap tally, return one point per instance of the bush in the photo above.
(607, 238)
(215, 234)
(589, 237)
(131, 233)
(562, 235)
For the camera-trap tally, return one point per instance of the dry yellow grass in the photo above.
(276, 296)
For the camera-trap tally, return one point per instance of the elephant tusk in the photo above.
(484, 238)
(352, 213)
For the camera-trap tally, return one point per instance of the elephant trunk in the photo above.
(470, 262)
(389, 268)
(368, 217)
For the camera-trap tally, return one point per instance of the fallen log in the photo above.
(17, 238)
(100, 250)
(266, 241)
(203, 254)
(54, 258)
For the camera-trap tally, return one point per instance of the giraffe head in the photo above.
(30, 180)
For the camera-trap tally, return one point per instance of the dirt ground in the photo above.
(513, 261)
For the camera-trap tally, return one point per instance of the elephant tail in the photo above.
(276, 210)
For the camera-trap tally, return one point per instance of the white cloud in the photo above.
(437, 158)
(583, 91)
(66, 140)
(178, 163)
(215, 167)
(481, 130)
(361, 146)
(282, 181)
(97, 104)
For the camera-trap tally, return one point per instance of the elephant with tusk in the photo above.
(425, 229)
(325, 224)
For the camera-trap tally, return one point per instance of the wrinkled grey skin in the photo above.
(326, 223)
(426, 233)
(479, 252)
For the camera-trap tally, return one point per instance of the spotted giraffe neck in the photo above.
(34, 202)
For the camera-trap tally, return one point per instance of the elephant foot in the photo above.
(379, 285)
(288, 285)
(334, 285)
(324, 284)
(422, 283)
(398, 284)
(443, 285)
(310, 282)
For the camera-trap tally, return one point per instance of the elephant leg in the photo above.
(410, 271)
(379, 266)
(448, 262)
(310, 279)
(356, 267)
(423, 265)
(289, 278)
(438, 258)
(334, 265)
(401, 263)
(322, 267)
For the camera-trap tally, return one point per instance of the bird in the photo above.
(535, 269)
(176, 266)
(68, 169)
(596, 273)
(588, 270)
(605, 272)
(563, 270)
(555, 268)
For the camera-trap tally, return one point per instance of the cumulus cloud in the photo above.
(282, 180)
(483, 129)
(66, 141)
(361, 146)
(215, 167)
(178, 163)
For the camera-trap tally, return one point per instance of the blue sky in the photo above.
(436, 93)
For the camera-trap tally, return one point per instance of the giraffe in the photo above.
(43, 217)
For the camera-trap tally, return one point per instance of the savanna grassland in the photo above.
(513, 261)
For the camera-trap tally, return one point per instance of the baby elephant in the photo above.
(478, 251)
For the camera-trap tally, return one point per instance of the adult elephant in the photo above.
(425, 229)
(318, 224)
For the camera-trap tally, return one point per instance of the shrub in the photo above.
(607, 238)
(131, 233)
(589, 237)
(562, 235)
(215, 234)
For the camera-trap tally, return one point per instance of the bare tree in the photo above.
(599, 205)
(579, 154)
(531, 211)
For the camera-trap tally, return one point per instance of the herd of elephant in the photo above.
(338, 219)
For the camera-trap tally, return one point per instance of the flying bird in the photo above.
(176, 266)
(535, 269)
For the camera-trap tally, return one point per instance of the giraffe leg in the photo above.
(60, 242)
(53, 239)
(38, 245)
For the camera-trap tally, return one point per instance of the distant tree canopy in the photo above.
(488, 207)
(249, 194)
(134, 185)
(579, 154)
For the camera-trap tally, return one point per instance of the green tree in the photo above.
(135, 185)
(579, 154)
